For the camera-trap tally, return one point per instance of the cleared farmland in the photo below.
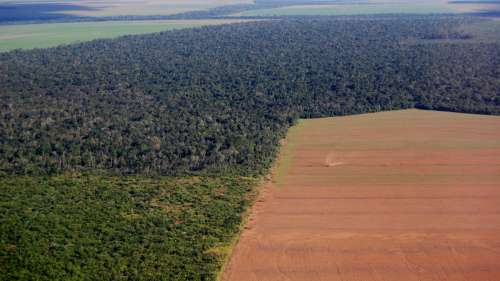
(376, 7)
(91, 8)
(403, 195)
(29, 36)
(152, 7)
(354, 9)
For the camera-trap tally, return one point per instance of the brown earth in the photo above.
(396, 196)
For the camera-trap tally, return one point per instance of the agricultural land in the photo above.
(376, 7)
(402, 195)
(30, 36)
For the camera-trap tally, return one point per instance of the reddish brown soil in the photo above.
(396, 196)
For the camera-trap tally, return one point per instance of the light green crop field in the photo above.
(30, 36)
(102, 8)
(354, 9)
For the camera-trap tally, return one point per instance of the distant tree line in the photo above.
(219, 98)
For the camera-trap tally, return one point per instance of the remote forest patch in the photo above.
(135, 158)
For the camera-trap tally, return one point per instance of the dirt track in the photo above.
(396, 196)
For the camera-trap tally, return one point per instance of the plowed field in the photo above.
(396, 196)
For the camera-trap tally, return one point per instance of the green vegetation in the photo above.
(118, 228)
(219, 99)
(209, 106)
(48, 10)
(352, 9)
(29, 36)
(286, 156)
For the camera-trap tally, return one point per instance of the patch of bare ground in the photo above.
(404, 195)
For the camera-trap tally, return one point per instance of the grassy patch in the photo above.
(91, 8)
(29, 36)
(354, 9)
(286, 155)
(151, 7)
(110, 228)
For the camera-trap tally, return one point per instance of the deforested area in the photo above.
(361, 197)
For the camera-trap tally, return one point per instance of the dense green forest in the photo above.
(118, 228)
(218, 99)
(134, 158)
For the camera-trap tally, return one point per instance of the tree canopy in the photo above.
(219, 98)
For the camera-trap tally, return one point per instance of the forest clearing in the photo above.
(31, 36)
(401, 195)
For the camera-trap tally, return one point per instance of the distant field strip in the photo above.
(30, 36)
(404, 195)
(354, 9)
(92, 8)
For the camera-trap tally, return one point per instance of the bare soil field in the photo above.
(405, 195)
